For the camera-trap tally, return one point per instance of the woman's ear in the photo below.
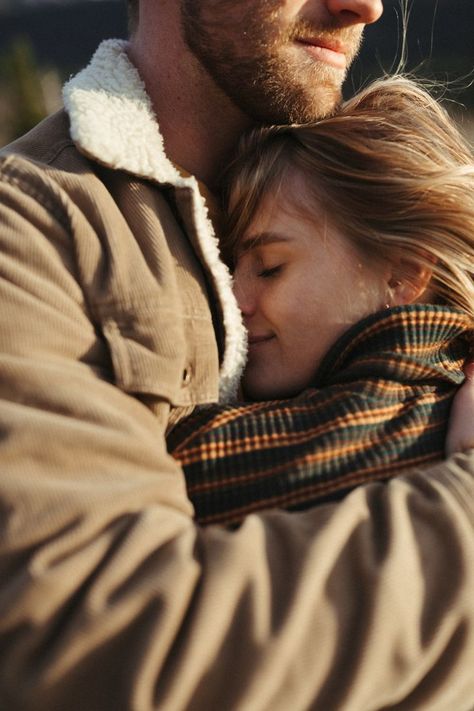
(408, 282)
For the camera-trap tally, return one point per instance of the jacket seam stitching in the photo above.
(62, 147)
(12, 177)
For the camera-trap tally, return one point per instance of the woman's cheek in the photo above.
(283, 304)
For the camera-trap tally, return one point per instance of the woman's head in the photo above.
(388, 182)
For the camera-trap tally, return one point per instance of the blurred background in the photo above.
(43, 42)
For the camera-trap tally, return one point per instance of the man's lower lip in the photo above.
(328, 56)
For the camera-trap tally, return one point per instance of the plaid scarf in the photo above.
(380, 403)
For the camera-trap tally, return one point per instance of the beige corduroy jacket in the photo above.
(111, 598)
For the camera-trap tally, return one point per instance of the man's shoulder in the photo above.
(49, 144)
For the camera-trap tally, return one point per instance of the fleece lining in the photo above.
(113, 122)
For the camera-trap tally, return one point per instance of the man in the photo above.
(117, 317)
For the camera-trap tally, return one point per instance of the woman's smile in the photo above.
(255, 341)
(299, 284)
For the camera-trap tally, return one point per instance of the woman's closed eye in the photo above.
(269, 272)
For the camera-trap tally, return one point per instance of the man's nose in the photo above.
(354, 12)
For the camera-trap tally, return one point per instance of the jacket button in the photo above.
(186, 379)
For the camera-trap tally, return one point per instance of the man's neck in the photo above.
(199, 123)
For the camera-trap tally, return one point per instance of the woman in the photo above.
(352, 243)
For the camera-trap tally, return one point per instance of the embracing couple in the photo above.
(127, 391)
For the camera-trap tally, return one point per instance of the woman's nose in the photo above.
(353, 12)
(244, 294)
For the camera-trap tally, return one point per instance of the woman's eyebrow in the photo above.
(260, 239)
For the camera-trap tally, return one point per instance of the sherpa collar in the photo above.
(112, 122)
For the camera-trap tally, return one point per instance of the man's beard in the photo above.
(256, 64)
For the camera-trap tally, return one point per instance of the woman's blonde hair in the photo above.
(390, 169)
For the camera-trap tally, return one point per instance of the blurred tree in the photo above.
(23, 84)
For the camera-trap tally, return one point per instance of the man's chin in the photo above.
(302, 104)
(319, 99)
(325, 102)
(295, 112)
(309, 90)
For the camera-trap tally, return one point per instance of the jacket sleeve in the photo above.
(112, 598)
(295, 454)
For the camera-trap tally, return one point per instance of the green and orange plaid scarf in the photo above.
(380, 403)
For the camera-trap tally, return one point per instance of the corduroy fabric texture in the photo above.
(380, 404)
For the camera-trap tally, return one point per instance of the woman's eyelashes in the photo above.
(269, 272)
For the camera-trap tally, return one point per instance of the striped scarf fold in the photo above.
(380, 403)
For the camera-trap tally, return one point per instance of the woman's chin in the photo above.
(254, 389)
(260, 388)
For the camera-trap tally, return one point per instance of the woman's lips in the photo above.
(334, 55)
(259, 340)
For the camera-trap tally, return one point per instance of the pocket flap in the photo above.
(148, 351)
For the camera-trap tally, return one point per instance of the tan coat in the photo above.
(110, 597)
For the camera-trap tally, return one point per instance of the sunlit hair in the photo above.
(389, 169)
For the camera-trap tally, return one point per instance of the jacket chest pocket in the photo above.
(161, 353)
(147, 349)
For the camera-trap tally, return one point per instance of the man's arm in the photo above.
(111, 597)
(461, 431)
